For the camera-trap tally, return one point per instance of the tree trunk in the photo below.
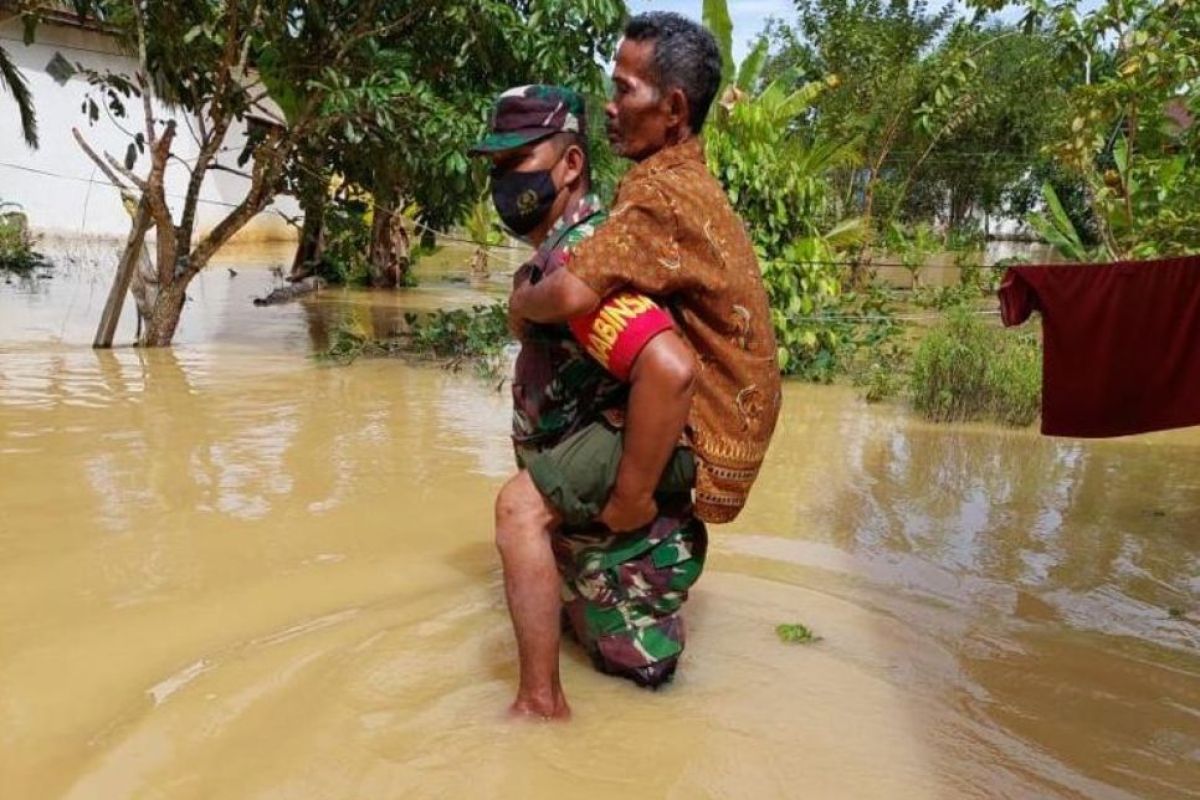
(285, 294)
(390, 256)
(134, 250)
(164, 319)
(144, 286)
(479, 263)
(312, 236)
(960, 206)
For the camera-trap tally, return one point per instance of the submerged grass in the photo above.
(965, 369)
(473, 337)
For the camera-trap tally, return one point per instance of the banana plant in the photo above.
(736, 80)
(482, 226)
(1056, 227)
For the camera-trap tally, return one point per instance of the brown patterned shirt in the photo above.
(673, 235)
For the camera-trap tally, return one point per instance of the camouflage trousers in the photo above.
(623, 594)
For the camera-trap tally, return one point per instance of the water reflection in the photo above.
(1061, 519)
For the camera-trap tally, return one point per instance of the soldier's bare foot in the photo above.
(540, 706)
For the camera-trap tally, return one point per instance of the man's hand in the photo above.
(622, 513)
(558, 297)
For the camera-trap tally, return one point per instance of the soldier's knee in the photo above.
(519, 513)
(647, 676)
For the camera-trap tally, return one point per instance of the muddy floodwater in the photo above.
(230, 571)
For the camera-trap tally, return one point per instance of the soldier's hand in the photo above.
(516, 323)
(623, 514)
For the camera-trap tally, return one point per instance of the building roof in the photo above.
(58, 12)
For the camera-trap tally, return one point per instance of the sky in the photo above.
(749, 16)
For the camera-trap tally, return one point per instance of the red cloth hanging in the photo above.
(1121, 343)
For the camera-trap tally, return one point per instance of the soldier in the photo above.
(620, 570)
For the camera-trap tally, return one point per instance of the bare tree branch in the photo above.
(186, 164)
(128, 173)
(99, 162)
(187, 121)
(218, 167)
(268, 169)
(143, 73)
(156, 198)
(191, 200)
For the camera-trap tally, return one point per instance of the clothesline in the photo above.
(881, 317)
(848, 263)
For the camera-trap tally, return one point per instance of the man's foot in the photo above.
(541, 706)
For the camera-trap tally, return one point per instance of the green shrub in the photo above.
(1016, 378)
(346, 343)
(476, 335)
(880, 371)
(16, 247)
(943, 298)
(965, 369)
(347, 244)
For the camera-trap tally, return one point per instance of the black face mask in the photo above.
(523, 199)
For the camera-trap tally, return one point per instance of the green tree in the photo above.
(483, 47)
(387, 94)
(1126, 128)
(874, 56)
(981, 130)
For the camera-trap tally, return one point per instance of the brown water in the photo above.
(228, 571)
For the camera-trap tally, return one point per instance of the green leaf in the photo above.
(796, 633)
(751, 68)
(1057, 228)
(1121, 156)
(12, 80)
(716, 18)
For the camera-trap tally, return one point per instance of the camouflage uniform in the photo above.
(622, 593)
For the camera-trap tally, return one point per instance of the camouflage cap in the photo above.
(527, 114)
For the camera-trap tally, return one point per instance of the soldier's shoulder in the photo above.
(583, 230)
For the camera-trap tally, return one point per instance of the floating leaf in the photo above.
(796, 633)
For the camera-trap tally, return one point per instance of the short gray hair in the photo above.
(686, 57)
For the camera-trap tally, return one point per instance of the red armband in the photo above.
(615, 333)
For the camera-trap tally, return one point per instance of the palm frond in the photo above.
(12, 80)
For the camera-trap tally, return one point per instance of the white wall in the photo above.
(59, 187)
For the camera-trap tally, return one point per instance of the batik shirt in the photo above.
(557, 386)
(673, 236)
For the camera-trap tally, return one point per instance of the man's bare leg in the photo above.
(524, 522)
